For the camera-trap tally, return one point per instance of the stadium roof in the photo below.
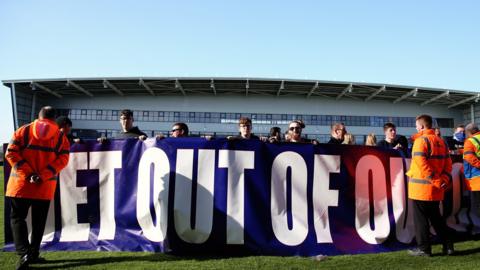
(161, 86)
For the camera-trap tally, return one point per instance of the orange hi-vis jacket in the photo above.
(430, 169)
(471, 162)
(36, 148)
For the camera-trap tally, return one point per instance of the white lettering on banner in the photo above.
(462, 214)
(323, 196)
(299, 207)
(161, 174)
(106, 162)
(405, 230)
(70, 197)
(381, 229)
(183, 195)
(237, 162)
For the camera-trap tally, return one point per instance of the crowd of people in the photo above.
(39, 150)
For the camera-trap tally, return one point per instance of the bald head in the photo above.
(471, 129)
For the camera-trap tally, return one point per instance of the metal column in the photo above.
(14, 106)
(472, 113)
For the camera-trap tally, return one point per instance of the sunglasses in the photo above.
(295, 128)
(176, 129)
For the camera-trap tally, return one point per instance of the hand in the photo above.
(315, 142)
(208, 137)
(142, 137)
(230, 138)
(102, 139)
(34, 179)
(77, 140)
(160, 136)
(273, 139)
(263, 139)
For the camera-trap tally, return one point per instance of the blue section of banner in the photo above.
(259, 235)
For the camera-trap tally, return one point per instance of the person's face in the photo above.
(277, 135)
(460, 130)
(126, 122)
(340, 132)
(294, 131)
(418, 126)
(176, 132)
(437, 132)
(245, 130)
(390, 133)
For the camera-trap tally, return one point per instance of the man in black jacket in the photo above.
(128, 130)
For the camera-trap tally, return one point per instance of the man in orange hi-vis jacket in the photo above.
(37, 153)
(430, 174)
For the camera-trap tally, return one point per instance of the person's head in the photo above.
(47, 112)
(286, 135)
(179, 130)
(126, 120)
(64, 123)
(349, 139)
(390, 131)
(338, 130)
(438, 132)
(276, 132)
(245, 127)
(459, 129)
(459, 134)
(423, 122)
(371, 140)
(295, 130)
(471, 129)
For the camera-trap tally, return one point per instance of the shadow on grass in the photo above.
(467, 252)
(64, 263)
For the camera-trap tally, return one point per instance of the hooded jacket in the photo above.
(37, 148)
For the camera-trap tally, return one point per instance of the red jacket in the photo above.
(36, 148)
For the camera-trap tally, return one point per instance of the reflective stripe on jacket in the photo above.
(36, 148)
(471, 162)
(430, 168)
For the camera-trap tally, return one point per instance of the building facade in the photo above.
(213, 106)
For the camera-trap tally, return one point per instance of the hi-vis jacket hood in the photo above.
(44, 129)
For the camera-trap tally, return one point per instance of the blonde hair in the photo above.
(371, 140)
(349, 139)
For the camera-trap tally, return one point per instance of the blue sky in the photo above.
(421, 43)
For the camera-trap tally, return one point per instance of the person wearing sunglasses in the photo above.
(337, 132)
(295, 133)
(179, 130)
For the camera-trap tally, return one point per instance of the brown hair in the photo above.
(244, 121)
(425, 120)
(389, 125)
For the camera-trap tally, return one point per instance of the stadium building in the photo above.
(214, 105)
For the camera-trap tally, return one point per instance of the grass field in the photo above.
(468, 258)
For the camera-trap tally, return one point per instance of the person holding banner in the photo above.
(471, 165)
(37, 153)
(295, 133)
(179, 130)
(430, 175)
(337, 132)
(245, 130)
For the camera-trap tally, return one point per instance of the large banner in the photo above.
(197, 196)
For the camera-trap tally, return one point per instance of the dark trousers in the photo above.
(18, 215)
(475, 202)
(423, 213)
